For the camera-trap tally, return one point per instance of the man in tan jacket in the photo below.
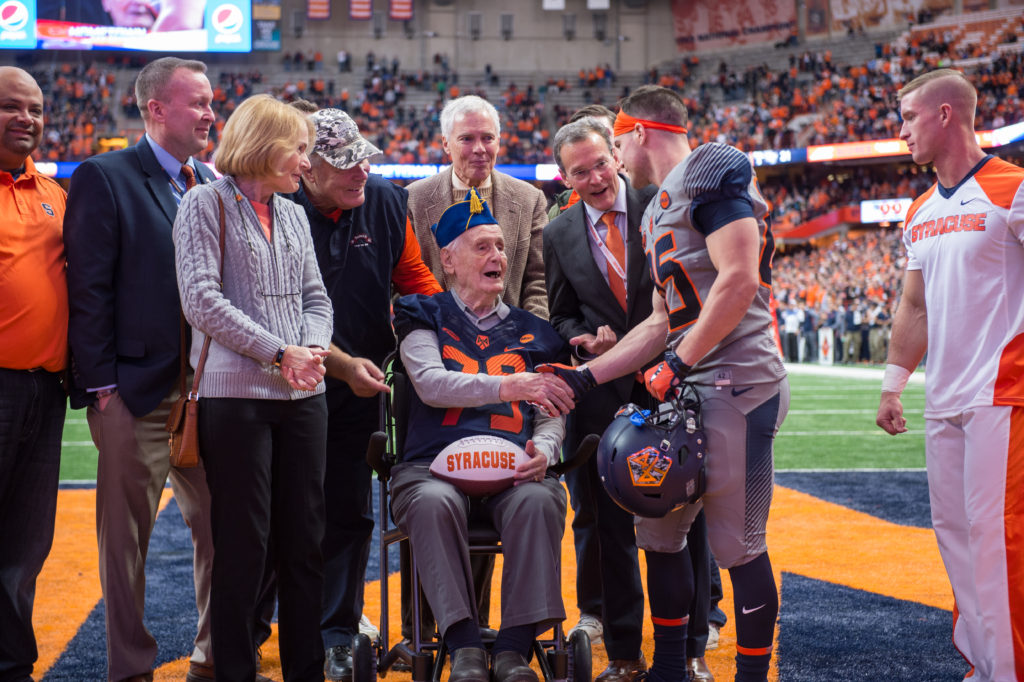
(470, 131)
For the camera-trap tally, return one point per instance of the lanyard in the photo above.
(612, 261)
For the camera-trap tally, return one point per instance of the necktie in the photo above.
(190, 176)
(613, 240)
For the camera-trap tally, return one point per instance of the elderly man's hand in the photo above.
(547, 391)
(532, 469)
(578, 379)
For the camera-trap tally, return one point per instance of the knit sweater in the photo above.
(272, 293)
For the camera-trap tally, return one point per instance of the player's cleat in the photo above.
(698, 671)
(590, 625)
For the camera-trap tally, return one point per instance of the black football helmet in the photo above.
(653, 463)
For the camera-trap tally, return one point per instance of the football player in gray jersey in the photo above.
(709, 247)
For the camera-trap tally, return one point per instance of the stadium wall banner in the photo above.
(714, 24)
(360, 10)
(400, 10)
(859, 14)
(222, 26)
(826, 345)
(318, 9)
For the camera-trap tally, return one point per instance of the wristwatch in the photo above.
(280, 356)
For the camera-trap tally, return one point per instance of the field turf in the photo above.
(831, 425)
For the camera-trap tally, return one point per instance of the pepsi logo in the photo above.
(13, 16)
(227, 19)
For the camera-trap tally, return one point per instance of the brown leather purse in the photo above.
(183, 421)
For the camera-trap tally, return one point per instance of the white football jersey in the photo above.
(968, 243)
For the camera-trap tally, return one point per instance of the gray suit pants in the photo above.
(133, 467)
(531, 520)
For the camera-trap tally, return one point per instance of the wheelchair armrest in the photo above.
(584, 451)
(376, 451)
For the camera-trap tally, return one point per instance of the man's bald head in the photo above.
(21, 116)
(945, 86)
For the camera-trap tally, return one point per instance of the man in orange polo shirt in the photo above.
(33, 353)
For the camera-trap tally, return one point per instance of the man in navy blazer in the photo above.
(586, 307)
(124, 332)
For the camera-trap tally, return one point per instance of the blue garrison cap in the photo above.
(460, 217)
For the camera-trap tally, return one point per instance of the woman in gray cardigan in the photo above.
(263, 417)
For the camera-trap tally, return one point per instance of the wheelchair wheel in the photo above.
(580, 663)
(362, 659)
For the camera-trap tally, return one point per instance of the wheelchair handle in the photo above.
(584, 451)
(375, 451)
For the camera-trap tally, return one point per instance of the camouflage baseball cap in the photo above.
(338, 139)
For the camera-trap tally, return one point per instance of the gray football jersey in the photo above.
(682, 270)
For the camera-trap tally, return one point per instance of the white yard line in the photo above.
(872, 432)
(850, 372)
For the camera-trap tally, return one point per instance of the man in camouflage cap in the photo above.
(364, 243)
(338, 141)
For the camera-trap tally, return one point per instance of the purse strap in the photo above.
(206, 342)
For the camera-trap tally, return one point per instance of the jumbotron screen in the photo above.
(151, 25)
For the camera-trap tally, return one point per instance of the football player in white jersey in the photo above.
(965, 271)
(710, 248)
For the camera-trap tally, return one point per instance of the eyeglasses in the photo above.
(584, 173)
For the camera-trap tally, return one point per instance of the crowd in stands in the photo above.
(851, 286)
(77, 109)
(814, 101)
(797, 199)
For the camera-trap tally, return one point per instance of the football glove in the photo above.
(666, 377)
(580, 379)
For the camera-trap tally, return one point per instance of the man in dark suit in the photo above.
(125, 334)
(599, 287)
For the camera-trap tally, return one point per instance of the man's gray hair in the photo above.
(578, 131)
(467, 104)
(155, 76)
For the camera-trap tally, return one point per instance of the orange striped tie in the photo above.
(613, 240)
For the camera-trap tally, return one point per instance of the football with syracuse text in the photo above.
(479, 465)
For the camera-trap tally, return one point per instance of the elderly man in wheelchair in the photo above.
(469, 357)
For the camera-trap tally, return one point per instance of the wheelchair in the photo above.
(560, 658)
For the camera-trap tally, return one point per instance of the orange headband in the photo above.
(624, 123)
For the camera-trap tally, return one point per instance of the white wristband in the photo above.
(895, 379)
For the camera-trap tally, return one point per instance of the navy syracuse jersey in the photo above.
(518, 343)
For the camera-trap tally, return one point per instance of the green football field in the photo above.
(831, 425)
